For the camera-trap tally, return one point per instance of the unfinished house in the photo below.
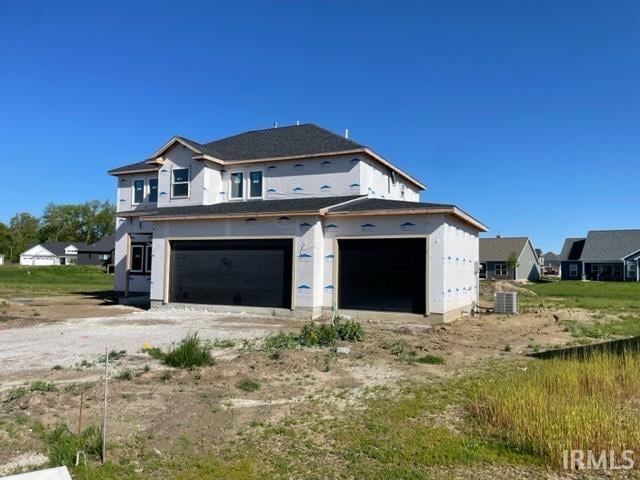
(293, 220)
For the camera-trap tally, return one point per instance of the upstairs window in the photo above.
(180, 182)
(255, 184)
(153, 190)
(237, 180)
(138, 192)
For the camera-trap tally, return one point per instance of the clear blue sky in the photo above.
(524, 113)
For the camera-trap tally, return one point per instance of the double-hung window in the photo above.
(237, 185)
(255, 184)
(573, 270)
(153, 190)
(500, 269)
(180, 182)
(138, 192)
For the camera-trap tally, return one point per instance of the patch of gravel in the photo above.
(23, 461)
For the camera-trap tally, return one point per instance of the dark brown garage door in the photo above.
(382, 275)
(231, 272)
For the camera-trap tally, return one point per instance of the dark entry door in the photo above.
(231, 272)
(382, 274)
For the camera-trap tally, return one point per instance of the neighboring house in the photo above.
(294, 219)
(570, 264)
(550, 263)
(606, 255)
(99, 253)
(51, 253)
(1, 259)
(495, 254)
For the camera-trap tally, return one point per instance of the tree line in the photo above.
(85, 222)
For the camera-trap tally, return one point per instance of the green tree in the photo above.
(87, 222)
(5, 240)
(23, 230)
(512, 263)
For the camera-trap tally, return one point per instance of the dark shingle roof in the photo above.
(310, 204)
(296, 140)
(500, 249)
(551, 257)
(104, 245)
(383, 204)
(136, 167)
(57, 248)
(603, 245)
(572, 249)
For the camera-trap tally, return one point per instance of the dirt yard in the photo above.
(51, 349)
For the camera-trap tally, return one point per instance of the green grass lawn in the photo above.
(613, 297)
(28, 281)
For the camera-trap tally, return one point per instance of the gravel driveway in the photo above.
(69, 342)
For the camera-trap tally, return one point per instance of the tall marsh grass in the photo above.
(549, 406)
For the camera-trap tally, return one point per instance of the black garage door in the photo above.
(385, 274)
(231, 272)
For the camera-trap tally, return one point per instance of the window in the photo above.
(138, 192)
(255, 184)
(137, 258)
(500, 269)
(236, 185)
(153, 190)
(632, 270)
(180, 182)
(141, 258)
(573, 270)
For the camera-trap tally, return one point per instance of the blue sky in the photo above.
(524, 113)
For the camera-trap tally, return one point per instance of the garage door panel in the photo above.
(382, 274)
(232, 272)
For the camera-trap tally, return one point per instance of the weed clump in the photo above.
(62, 444)
(248, 385)
(189, 353)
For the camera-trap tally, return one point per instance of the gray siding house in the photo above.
(604, 255)
(495, 253)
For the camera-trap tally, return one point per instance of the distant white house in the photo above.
(1, 259)
(51, 253)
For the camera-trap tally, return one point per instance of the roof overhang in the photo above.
(213, 216)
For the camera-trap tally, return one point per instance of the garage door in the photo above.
(382, 275)
(231, 272)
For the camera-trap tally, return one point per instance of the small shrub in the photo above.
(44, 387)
(279, 341)
(349, 330)
(147, 368)
(155, 352)
(247, 385)
(124, 375)
(188, 354)
(16, 393)
(223, 344)
(62, 444)
(430, 360)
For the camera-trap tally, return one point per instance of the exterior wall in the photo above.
(565, 270)
(39, 256)
(377, 182)
(314, 177)
(528, 268)
(139, 232)
(604, 271)
(461, 246)
(453, 253)
(92, 258)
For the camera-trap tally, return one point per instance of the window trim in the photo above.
(503, 269)
(148, 258)
(255, 170)
(231, 174)
(133, 191)
(188, 182)
(148, 196)
(134, 246)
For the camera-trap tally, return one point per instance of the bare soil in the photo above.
(161, 407)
